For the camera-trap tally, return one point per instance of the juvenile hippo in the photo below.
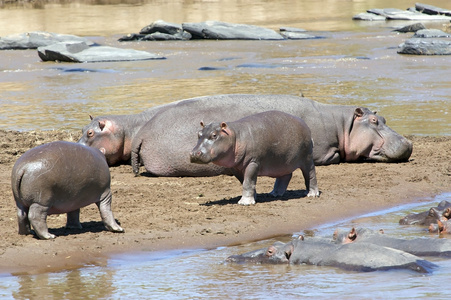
(362, 257)
(340, 133)
(418, 246)
(271, 143)
(425, 218)
(60, 177)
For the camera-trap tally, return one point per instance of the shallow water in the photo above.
(194, 274)
(355, 63)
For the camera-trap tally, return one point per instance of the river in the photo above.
(354, 63)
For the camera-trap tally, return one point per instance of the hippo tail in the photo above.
(135, 159)
(16, 183)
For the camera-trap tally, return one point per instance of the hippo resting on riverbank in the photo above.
(418, 246)
(363, 257)
(60, 177)
(270, 143)
(340, 133)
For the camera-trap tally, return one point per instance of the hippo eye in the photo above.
(269, 252)
(90, 133)
(199, 134)
(374, 120)
(214, 136)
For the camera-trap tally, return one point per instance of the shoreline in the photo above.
(168, 213)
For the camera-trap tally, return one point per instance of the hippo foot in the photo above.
(115, 228)
(313, 193)
(45, 236)
(246, 201)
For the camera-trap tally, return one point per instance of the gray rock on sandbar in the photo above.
(36, 39)
(432, 10)
(411, 28)
(81, 52)
(368, 17)
(158, 36)
(426, 46)
(431, 33)
(217, 30)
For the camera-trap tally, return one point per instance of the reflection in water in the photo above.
(86, 283)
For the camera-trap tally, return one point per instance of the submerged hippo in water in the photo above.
(271, 143)
(417, 246)
(340, 133)
(363, 257)
(60, 177)
(425, 218)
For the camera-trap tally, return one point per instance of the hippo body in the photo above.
(60, 177)
(270, 143)
(340, 133)
(417, 246)
(425, 218)
(362, 257)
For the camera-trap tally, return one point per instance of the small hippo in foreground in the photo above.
(361, 257)
(60, 177)
(271, 144)
(417, 246)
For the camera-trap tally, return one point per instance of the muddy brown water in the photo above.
(354, 63)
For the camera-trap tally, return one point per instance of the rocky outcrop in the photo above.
(81, 52)
(213, 30)
(36, 39)
(427, 42)
(421, 12)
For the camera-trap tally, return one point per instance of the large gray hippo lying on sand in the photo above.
(161, 138)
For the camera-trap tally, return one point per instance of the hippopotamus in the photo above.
(340, 133)
(271, 143)
(425, 218)
(60, 177)
(417, 246)
(363, 257)
(443, 226)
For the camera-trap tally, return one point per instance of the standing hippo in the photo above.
(60, 177)
(271, 143)
(340, 133)
(362, 257)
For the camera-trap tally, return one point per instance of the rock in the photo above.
(36, 39)
(431, 33)
(298, 35)
(227, 31)
(81, 52)
(368, 17)
(292, 29)
(426, 46)
(158, 36)
(411, 28)
(432, 10)
(162, 27)
(131, 37)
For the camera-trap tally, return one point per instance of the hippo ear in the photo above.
(358, 113)
(91, 117)
(352, 235)
(101, 125)
(223, 125)
(202, 124)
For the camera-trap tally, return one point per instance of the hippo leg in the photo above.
(37, 214)
(104, 206)
(309, 173)
(73, 219)
(281, 185)
(22, 220)
(249, 183)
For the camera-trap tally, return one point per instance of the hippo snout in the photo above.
(198, 157)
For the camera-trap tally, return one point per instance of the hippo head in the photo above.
(103, 134)
(278, 253)
(371, 139)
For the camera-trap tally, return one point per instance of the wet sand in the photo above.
(170, 213)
